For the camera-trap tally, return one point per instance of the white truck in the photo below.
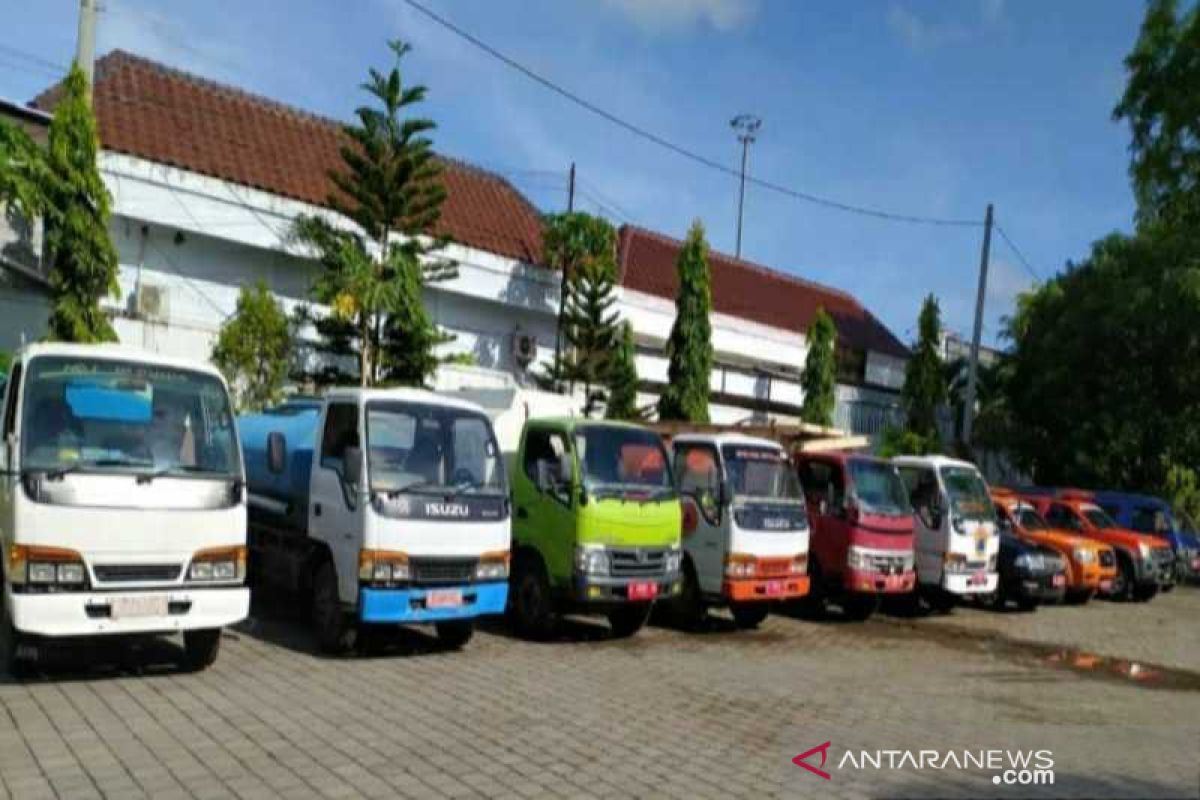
(956, 539)
(383, 506)
(122, 501)
(745, 530)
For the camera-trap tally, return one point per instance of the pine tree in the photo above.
(254, 349)
(689, 347)
(81, 257)
(590, 329)
(924, 385)
(818, 380)
(623, 379)
(390, 186)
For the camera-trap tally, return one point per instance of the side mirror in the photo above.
(566, 469)
(352, 466)
(276, 452)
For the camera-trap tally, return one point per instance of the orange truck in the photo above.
(1144, 563)
(1091, 564)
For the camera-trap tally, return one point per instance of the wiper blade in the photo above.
(147, 477)
(58, 472)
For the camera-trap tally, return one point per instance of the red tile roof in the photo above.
(160, 114)
(746, 290)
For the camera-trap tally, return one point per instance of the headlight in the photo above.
(738, 565)
(800, 564)
(1085, 555)
(44, 566)
(219, 564)
(1029, 561)
(1144, 551)
(955, 562)
(41, 572)
(492, 567)
(382, 566)
(674, 560)
(857, 558)
(591, 560)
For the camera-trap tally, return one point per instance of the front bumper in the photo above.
(752, 589)
(970, 582)
(413, 605)
(1091, 577)
(608, 590)
(1041, 588)
(872, 582)
(90, 613)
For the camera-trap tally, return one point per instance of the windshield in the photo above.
(969, 496)
(760, 472)
(1098, 517)
(1030, 520)
(618, 459)
(1184, 522)
(418, 447)
(878, 487)
(96, 415)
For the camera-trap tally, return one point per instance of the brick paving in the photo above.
(666, 714)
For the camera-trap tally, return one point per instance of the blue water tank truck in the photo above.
(382, 506)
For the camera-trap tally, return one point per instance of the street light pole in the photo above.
(746, 127)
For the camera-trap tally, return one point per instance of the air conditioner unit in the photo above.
(152, 302)
(524, 348)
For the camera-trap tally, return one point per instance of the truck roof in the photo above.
(402, 393)
(932, 461)
(726, 438)
(114, 352)
(583, 422)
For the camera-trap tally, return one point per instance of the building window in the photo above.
(851, 365)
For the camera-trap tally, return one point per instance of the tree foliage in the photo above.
(818, 379)
(24, 172)
(81, 258)
(689, 348)
(924, 388)
(623, 379)
(1162, 106)
(254, 349)
(389, 185)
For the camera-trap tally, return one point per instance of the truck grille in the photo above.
(1164, 557)
(1107, 558)
(136, 573)
(637, 562)
(889, 564)
(442, 570)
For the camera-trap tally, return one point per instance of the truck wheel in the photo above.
(1027, 604)
(688, 611)
(200, 648)
(628, 619)
(335, 629)
(749, 616)
(12, 660)
(531, 612)
(941, 601)
(455, 634)
(859, 607)
(1144, 592)
(1123, 581)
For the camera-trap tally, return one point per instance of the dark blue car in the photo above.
(1030, 574)
(1153, 515)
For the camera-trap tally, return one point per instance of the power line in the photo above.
(678, 149)
(1020, 256)
(45, 63)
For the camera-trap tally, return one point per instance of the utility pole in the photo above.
(85, 46)
(973, 366)
(562, 276)
(746, 127)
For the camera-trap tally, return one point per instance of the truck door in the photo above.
(545, 515)
(335, 513)
(825, 494)
(8, 455)
(929, 542)
(706, 529)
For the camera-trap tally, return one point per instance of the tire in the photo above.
(628, 619)
(941, 601)
(11, 640)
(1144, 592)
(335, 629)
(688, 610)
(531, 610)
(749, 616)
(455, 634)
(814, 604)
(200, 648)
(1123, 581)
(1027, 605)
(859, 607)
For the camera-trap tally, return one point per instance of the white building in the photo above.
(206, 180)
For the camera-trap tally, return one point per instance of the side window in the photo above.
(696, 468)
(341, 432)
(922, 487)
(10, 404)
(823, 481)
(543, 448)
(1143, 519)
(1061, 517)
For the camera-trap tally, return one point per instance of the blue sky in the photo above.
(920, 107)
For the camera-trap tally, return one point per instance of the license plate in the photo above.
(978, 579)
(1060, 580)
(643, 591)
(145, 605)
(443, 598)
(1196, 564)
(1106, 585)
(774, 587)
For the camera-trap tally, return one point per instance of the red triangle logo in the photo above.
(799, 760)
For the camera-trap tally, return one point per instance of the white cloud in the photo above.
(169, 39)
(666, 15)
(922, 35)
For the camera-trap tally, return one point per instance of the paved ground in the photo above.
(716, 714)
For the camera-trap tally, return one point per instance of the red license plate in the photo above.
(643, 591)
(1106, 585)
(978, 579)
(1196, 564)
(1060, 580)
(774, 587)
(444, 598)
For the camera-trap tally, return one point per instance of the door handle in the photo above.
(316, 509)
(522, 513)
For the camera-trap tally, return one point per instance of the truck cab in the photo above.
(122, 502)
(957, 545)
(1090, 565)
(745, 532)
(597, 524)
(1144, 563)
(862, 531)
(384, 506)
(1153, 515)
